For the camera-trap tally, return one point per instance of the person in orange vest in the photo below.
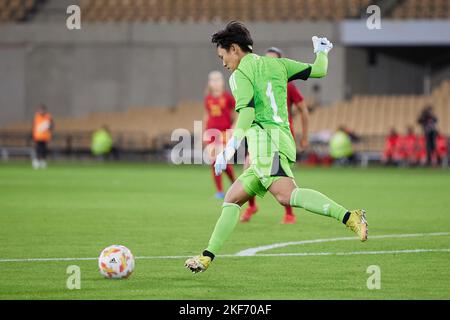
(42, 134)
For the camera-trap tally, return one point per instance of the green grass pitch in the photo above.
(74, 210)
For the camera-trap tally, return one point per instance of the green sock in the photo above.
(224, 227)
(317, 202)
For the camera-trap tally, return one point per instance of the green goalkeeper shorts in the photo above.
(264, 171)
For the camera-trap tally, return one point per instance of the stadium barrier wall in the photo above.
(110, 67)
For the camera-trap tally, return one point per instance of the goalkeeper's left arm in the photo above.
(243, 123)
(242, 90)
(302, 71)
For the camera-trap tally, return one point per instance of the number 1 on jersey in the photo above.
(273, 103)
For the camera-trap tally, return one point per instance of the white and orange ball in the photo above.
(116, 262)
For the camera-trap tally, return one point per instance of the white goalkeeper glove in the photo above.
(225, 156)
(321, 44)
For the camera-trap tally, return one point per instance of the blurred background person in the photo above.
(440, 156)
(43, 126)
(353, 136)
(219, 115)
(294, 98)
(407, 148)
(390, 145)
(102, 143)
(441, 148)
(341, 146)
(421, 150)
(428, 121)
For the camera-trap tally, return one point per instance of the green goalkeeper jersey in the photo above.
(261, 83)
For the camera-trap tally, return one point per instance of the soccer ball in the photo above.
(116, 262)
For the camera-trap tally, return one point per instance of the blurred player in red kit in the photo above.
(294, 98)
(219, 107)
(440, 154)
(407, 147)
(441, 147)
(390, 147)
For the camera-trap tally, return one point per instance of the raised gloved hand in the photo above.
(321, 44)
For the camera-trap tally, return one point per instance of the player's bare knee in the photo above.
(232, 198)
(283, 198)
(284, 201)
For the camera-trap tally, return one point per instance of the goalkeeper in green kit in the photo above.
(259, 87)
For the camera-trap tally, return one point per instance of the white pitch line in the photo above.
(300, 254)
(252, 251)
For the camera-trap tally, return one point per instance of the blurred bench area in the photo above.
(137, 133)
(146, 132)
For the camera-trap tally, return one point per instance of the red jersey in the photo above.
(410, 143)
(293, 96)
(441, 146)
(390, 144)
(407, 146)
(219, 111)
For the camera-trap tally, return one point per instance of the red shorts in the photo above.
(216, 139)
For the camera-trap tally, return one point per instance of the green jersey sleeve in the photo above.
(242, 90)
(302, 71)
(244, 122)
(296, 70)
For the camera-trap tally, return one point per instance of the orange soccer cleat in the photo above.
(251, 210)
(289, 219)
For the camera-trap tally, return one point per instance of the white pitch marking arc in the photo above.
(252, 251)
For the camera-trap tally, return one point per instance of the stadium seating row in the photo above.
(415, 9)
(376, 115)
(15, 10)
(251, 10)
(219, 10)
(211, 10)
